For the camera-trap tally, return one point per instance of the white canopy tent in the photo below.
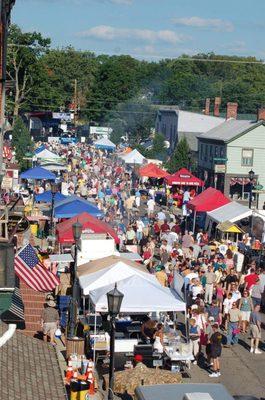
(140, 295)
(118, 270)
(54, 166)
(47, 155)
(134, 157)
(232, 212)
(105, 142)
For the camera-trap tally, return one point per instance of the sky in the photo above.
(148, 29)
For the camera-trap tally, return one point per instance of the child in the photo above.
(219, 295)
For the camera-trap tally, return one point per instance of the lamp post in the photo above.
(77, 231)
(251, 175)
(54, 189)
(114, 305)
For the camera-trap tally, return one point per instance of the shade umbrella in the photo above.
(128, 380)
(38, 173)
(46, 197)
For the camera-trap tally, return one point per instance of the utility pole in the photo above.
(6, 7)
(75, 101)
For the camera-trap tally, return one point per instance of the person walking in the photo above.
(255, 330)
(234, 321)
(245, 306)
(50, 320)
(194, 333)
(210, 281)
(216, 350)
(256, 292)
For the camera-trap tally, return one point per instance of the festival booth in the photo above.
(45, 154)
(152, 171)
(230, 230)
(232, 212)
(89, 223)
(210, 199)
(46, 197)
(134, 157)
(38, 173)
(105, 144)
(74, 205)
(54, 166)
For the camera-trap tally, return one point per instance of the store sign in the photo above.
(220, 168)
(62, 116)
(100, 130)
(185, 176)
(7, 183)
(15, 221)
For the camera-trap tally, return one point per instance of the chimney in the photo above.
(261, 114)
(217, 103)
(207, 106)
(231, 111)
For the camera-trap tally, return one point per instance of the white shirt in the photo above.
(161, 216)
(151, 204)
(196, 290)
(228, 305)
(140, 225)
(236, 295)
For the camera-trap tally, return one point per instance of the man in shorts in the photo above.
(50, 320)
(255, 330)
(216, 350)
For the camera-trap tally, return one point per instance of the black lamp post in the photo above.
(251, 175)
(77, 231)
(114, 305)
(54, 189)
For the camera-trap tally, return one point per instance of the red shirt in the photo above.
(156, 228)
(165, 227)
(251, 280)
(176, 229)
(147, 254)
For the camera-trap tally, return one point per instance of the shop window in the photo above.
(247, 157)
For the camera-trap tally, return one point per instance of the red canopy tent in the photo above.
(208, 200)
(152, 171)
(184, 177)
(91, 224)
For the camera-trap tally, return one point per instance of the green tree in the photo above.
(21, 141)
(23, 66)
(158, 150)
(180, 158)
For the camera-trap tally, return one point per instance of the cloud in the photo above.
(105, 32)
(205, 23)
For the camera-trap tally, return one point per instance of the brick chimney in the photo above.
(231, 111)
(207, 106)
(217, 103)
(261, 114)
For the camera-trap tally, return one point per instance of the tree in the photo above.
(21, 141)
(23, 67)
(180, 157)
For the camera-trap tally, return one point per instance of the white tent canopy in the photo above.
(109, 276)
(140, 295)
(134, 157)
(232, 212)
(54, 166)
(47, 154)
(105, 142)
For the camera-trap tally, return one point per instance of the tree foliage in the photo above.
(180, 157)
(21, 141)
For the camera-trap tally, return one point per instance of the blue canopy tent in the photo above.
(46, 197)
(105, 144)
(38, 173)
(74, 205)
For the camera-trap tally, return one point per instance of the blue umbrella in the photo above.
(38, 173)
(46, 197)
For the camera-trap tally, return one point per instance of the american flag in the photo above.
(29, 268)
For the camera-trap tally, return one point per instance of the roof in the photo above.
(229, 227)
(65, 229)
(177, 391)
(194, 122)
(232, 212)
(29, 369)
(230, 129)
(208, 200)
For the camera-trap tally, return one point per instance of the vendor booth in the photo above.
(46, 197)
(183, 177)
(134, 157)
(210, 199)
(152, 171)
(38, 173)
(229, 229)
(89, 223)
(74, 205)
(105, 144)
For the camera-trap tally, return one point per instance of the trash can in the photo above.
(79, 390)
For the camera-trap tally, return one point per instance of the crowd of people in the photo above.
(223, 292)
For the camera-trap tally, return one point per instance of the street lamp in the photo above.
(114, 298)
(54, 189)
(77, 231)
(251, 175)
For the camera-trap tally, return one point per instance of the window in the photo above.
(216, 152)
(222, 152)
(247, 157)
